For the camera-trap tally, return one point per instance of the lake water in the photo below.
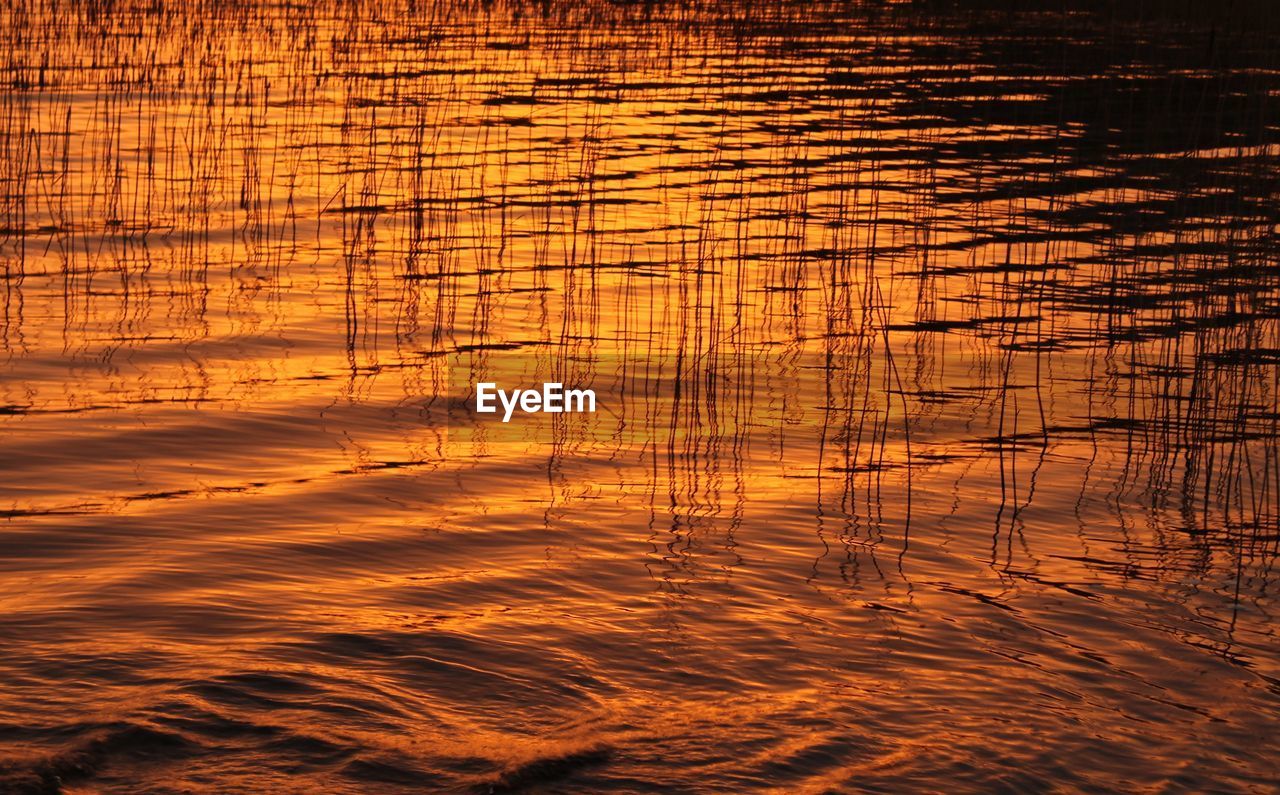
(937, 356)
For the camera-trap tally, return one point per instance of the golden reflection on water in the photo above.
(938, 400)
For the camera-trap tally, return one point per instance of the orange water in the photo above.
(937, 367)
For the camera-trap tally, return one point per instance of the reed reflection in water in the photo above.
(938, 355)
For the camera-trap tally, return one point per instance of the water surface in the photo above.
(938, 356)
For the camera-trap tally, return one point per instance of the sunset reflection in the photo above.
(934, 359)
